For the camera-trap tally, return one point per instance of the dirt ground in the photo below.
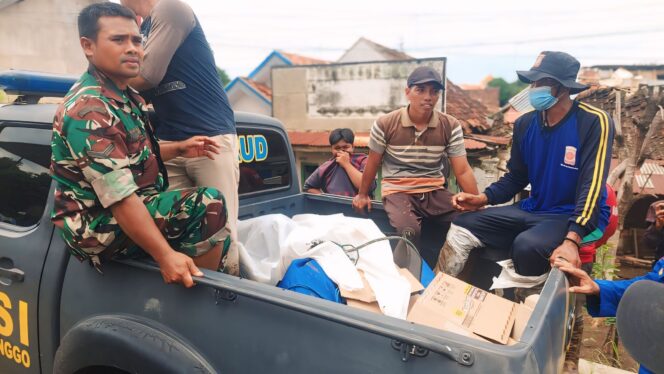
(596, 329)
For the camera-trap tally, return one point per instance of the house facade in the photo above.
(23, 26)
(253, 93)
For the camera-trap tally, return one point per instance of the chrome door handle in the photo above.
(8, 276)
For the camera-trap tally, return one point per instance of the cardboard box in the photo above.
(449, 302)
(367, 295)
(523, 313)
(373, 307)
(365, 299)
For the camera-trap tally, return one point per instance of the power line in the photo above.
(456, 46)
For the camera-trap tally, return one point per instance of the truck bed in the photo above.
(239, 325)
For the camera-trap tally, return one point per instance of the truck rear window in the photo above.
(25, 155)
(264, 160)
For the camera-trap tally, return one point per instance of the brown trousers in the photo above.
(407, 211)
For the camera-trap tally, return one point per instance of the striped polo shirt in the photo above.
(412, 160)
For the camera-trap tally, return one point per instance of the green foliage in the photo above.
(223, 76)
(605, 265)
(507, 90)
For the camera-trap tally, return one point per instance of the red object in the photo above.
(587, 253)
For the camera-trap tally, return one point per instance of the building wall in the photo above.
(362, 51)
(243, 100)
(42, 35)
(321, 98)
(263, 75)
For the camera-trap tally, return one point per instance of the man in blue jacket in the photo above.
(603, 296)
(563, 150)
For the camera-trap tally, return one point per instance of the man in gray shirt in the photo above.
(180, 79)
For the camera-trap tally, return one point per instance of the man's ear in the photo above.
(407, 91)
(88, 47)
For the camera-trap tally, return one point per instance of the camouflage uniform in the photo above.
(104, 151)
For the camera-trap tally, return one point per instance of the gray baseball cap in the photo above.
(425, 74)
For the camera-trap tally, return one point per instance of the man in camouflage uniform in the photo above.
(110, 198)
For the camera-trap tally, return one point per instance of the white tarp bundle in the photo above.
(269, 243)
(509, 278)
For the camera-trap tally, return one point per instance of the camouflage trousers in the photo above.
(193, 221)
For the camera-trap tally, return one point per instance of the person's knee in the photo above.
(465, 220)
(530, 254)
(210, 202)
(407, 225)
(454, 253)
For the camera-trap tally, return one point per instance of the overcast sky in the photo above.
(477, 37)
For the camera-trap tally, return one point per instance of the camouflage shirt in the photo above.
(102, 151)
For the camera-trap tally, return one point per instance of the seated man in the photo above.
(563, 150)
(603, 296)
(654, 236)
(411, 143)
(342, 174)
(110, 198)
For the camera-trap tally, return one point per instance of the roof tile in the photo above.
(320, 139)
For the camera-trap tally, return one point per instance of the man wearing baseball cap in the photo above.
(411, 144)
(563, 150)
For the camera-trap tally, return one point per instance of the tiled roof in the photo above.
(488, 96)
(260, 87)
(495, 140)
(633, 109)
(320, 139)
(649, 179)
(470, 112)
(511, 115)
(302, 60)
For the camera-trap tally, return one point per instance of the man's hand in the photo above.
(566, 252)
(581, 281)
(343, 159)
(464, 201)
(198, 146)
(360, 201)
(178, 268)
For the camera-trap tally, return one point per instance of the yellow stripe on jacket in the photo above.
(600, 159)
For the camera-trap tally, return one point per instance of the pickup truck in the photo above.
(60, 315)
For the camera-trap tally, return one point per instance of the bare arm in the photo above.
(171, 24)
(137, 223)
(362, 200)
(354, 175)
(314, 191)
(464, 174)
(373, 162)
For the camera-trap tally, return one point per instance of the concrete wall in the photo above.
(263, 75)
(311, 156)
(320, 98)
(42, 35)
(242, 99)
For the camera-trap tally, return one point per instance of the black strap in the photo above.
(169, 87)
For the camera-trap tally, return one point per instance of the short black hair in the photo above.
(88, 18)
(338, 134)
